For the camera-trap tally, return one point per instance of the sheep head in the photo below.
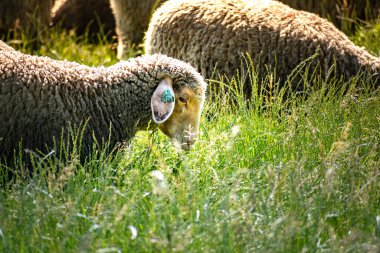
(177, 112)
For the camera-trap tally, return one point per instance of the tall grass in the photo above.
(369, 37)
(274, 176)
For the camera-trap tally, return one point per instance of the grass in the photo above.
(369, 36)
(300, 176)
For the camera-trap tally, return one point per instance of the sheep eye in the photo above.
(183, 99)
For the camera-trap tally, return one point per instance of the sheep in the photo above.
(132, 18)
(27, 15)
(215, 33)
(41, 99)
(93, 16)
(129, 17)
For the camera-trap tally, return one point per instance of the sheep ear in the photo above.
(163, 101)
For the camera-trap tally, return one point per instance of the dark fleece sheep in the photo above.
(132, 19)
(41, 97)
(209, 33)
(92, 16)
(27, 15)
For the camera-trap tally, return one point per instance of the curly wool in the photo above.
(41, 97)
(209, 33)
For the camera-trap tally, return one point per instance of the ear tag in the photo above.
(167, 97)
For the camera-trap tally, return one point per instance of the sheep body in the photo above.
(129, 17)
(24, 14)
(132, 18)
(41, 98)
(209, 33)
(93, 16)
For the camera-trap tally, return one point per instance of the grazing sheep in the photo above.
(27, 15)
(132, 18)
(93, 16)
(41, 98)
(209, 33)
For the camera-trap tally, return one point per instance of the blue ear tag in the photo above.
(167, 97)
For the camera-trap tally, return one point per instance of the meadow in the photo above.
(270, 175)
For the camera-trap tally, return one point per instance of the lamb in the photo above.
(42, 98)
(29, 15)
(209, 33)
(132, 18)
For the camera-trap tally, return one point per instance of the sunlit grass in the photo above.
(295, 176)
(369, 37)
(65, 45)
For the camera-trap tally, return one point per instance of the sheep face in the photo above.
(182, 126)
(181, 117)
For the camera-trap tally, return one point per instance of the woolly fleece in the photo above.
(41, 97)
(209, 33)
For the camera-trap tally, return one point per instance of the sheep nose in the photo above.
(186, 145)
(188, 140)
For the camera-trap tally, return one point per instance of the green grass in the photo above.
(299, 176)
(369, 37)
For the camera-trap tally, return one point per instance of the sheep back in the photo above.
(216, 33)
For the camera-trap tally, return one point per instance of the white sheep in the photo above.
(40, 98)
(209, 33)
